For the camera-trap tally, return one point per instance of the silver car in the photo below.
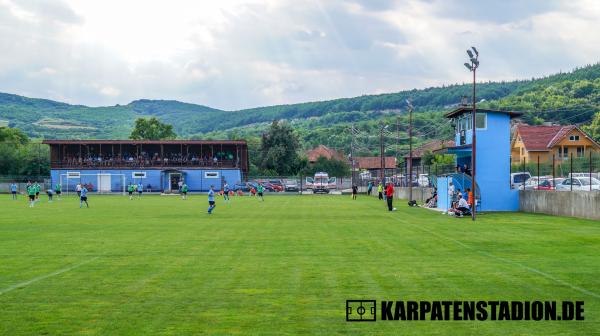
(580, 184)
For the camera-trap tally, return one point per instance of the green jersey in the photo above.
(31, 190)
(184, 188)
(260, 189)
(58, 187)
(130, 188)
(37, 188)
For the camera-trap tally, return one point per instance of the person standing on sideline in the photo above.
(369, 188)
(354, 191)
(211, 199)
(78, 189)
(380, 190)
(13, 190)
(58, 190)
(83, 197)
(261, 190)
(226, 192)
(389, 196)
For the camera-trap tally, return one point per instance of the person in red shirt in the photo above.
(389, 196)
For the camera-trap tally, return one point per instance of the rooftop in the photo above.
(469, 109)
(144, 142)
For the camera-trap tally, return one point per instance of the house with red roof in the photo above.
(530, 142)
(325, 152)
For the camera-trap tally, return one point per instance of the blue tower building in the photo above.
(493, 190)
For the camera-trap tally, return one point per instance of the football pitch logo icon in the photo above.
(361, 310)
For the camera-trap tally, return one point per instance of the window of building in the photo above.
(574, 138)
(580, 151)
(214, 175)
(74, 175)
(566, 152)
(481, 120)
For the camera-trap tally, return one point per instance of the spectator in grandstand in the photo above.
(466, 170)
(13, 190)
(389, 196)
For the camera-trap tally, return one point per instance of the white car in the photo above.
(580, 184)
(518, 179)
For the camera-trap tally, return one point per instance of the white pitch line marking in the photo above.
(42, 277)
(508, 261)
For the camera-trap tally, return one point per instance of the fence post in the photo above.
(590, 170)
(553, 174)
(538, 172)
(571, 171)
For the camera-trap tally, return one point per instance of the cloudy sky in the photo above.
(233, 54)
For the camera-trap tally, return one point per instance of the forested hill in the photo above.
(564, 97)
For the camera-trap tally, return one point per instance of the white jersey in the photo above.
(78, 187)
(462, 203)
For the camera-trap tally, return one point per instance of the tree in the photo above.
(279, 149)
(593, 129)
(152, 129)
(333, 167)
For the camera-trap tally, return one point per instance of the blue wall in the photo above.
(195, 178)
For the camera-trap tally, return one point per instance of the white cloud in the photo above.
(243, 53)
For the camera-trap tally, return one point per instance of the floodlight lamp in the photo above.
(470, 53)
(468, 66)
(475, 50)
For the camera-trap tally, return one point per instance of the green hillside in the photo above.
(571, 97)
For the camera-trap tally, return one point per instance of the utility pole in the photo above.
(381, 153)
(352, 154)
(410, 152)
(474, 58)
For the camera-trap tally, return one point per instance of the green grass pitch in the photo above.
(161, 265)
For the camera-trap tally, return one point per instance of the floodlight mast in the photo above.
(410, 153)
(474, 59)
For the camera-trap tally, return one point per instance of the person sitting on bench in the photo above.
(463, 207)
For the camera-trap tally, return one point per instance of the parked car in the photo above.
(594, 175)
(580, 184)
(518, 179)
(277, 185)
(423, 180)
(532, 183)
(291, 185)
